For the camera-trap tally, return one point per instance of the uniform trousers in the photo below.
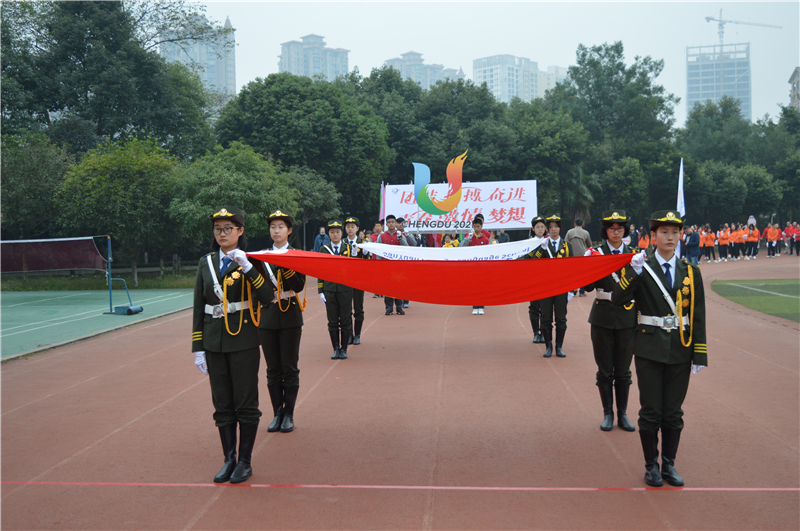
(358, 305)
(662, 389)
(535, 311)
(612, 354)
(282, 352)
(338, 307)
(390, 303)
(557, 305)
(234, 386)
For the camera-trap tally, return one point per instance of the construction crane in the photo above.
(722, 23)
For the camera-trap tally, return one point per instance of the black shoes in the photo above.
(538, 338)
(388, 312)
(289, 399)
(335, 342)
(669, 447)
(652, 475)
(343, 350)
(227, 435)
(357, 339)
(622, 391)
(276, 397)
(549, 350)
(560, 341)
(400, 312)
(560, 353)
(357, 332)
(247, 439)
(607, 398)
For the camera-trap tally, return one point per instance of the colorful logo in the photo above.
(422, 178)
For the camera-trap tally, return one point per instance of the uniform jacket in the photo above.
(333, 287)
(359, 252)
(606, 314)
(657, 344)
(272, 317)
(564, 250)
(209, 333)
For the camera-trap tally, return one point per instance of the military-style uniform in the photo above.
(611, 332)
(535, 307)
(358, 295)
(557, 304)
(223, 326)
(669, 338)
(280, 328)
(338, 300)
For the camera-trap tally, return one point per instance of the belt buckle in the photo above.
(218, 311)
(669, 321)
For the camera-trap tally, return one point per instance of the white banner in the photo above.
(504, 205)
(500, 251)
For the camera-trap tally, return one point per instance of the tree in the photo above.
(624, 187)
(763, 193)
(716, 131)
(123, 190)
(313, 123)
(33, 173)
(727, 204)
(236, 176)
(156, 22)
(317, 199)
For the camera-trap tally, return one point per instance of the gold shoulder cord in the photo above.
(289, 301)
(679, 305)
(225, 309)
(256, 317)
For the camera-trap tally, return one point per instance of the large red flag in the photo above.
(464, 283)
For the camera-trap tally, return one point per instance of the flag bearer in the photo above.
(225, 338)
(612, 327)
(351, 225)
(669, 343)
(337, 298)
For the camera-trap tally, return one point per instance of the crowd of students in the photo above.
(734, 241)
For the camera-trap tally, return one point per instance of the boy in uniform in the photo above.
(351, 225)
(669, 343)
(337, 298)
(612, 327)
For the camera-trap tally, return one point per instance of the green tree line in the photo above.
(101, 135)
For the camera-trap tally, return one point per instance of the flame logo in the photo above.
(422, 178)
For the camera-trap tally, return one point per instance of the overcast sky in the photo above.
(455, 33)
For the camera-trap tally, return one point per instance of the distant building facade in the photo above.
(215, 63)
(794, 93)
(508, 76)
(719, 70)
(309, 57)
(411, 66)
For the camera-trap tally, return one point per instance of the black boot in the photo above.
(335, 342)
(289, 400)
(247, 440)
(276, 397)
(547, 335)
(350, 337)
(343, 350)
(669, 447)
(559, 342)
(607, 398)
(537, 336)
(622, 390)
(652, 476)
(227, 435)
(357, 332)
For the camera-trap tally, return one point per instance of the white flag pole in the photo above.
(681, 204)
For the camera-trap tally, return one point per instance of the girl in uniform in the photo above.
(225, 338)
(538, 230)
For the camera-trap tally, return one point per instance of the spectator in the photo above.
(634, 236)
(477, 237)
(321, 239)
(376, 231)
(503, 237)
(449, 241)
(581, 241)
(692, 245)
(392, 236)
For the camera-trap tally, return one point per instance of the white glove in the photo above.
(200, 361)
(697, 368)
(544, 244)
(570, 295)
(588, 252)
(238, 256)
(637, 262)
(322, 298)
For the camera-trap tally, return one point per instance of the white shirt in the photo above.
(555, 243)
(276, 248)
(671, 263)
(612, 248)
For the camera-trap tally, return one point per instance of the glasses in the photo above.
(616, 229)
(223, 230)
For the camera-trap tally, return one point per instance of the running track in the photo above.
(439, 420)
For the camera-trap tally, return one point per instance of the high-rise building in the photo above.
(214, 62)
(719, 70)
(310, 57)
(508, 77)
(794, 92)
(410, 66)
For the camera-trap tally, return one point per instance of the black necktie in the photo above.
(225, 263)
(615, 251)
(668, 274)
(335, 249)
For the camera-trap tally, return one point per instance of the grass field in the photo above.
(98, 281)
(780, 298)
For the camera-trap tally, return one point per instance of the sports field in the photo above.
(439, 420)
(35, 320)
(780, 298)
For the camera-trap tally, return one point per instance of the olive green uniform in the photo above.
(358, 295)
(338, 300)
(232, 358)
(556, 305)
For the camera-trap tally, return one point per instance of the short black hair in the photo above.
(390, 217)
(579, 222)
(241, 244)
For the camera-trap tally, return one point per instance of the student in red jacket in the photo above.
(478, 236)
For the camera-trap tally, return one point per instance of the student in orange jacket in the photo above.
(751, 238)
(773, 236)
(724, 237)
(644, 240)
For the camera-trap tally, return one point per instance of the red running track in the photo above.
(439, 420)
